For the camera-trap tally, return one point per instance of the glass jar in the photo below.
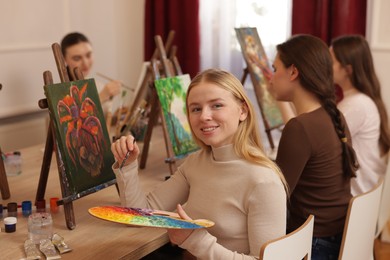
(40, 226)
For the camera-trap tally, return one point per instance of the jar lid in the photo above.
(10, 220)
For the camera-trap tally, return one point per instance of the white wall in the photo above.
(378, 34)
(115, 28)
(28, 29)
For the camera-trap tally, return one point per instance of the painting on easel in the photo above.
(260, 72)
(172, 95)
(82, 138)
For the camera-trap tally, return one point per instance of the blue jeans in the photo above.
(326, 248)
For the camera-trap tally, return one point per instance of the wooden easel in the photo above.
(267, 127)
(52, 145)
(156, 111)
(4, 188)
(146, 82)
(175, 61)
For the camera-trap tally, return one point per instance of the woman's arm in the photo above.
(165, 196)
(266, 220)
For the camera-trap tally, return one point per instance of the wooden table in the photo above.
(92, 238)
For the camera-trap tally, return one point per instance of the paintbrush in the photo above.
(111, 79)
(126, 157)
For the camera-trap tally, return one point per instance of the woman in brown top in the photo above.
(315, 152)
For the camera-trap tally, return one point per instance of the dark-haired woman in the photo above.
(77, 52)
(363, 108)
(315, 152)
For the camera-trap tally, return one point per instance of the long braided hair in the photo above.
(311, 57)
(354, 51)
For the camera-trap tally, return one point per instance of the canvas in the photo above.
(81, 134)
(260, 72)
(172, 95)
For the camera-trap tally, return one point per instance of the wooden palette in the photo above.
(147, 218)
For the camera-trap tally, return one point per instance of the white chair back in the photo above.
(384, 207)
(359, 230)
(293, 246)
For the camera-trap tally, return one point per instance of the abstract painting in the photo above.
(147, 218)
(81, 134)
(172, 95)
(260, 73)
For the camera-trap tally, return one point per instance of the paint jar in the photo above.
(13, 163)
(12, 209)
(26, 208)
(40, 226)
(41, 205)
(53, 205)
(1, 211)
(10, 224)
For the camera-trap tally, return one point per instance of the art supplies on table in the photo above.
(59, 242)
(147, 218)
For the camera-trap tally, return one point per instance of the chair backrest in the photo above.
(360, 224)
(384, 207)
(294, 246)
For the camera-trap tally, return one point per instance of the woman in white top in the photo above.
(363, 108)
(229, 180)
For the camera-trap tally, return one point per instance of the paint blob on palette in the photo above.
(147, 218)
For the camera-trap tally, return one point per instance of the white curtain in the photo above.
(217, 21)
(218, 18)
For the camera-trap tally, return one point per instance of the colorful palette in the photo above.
(147, 218)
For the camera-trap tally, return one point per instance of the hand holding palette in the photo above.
(147, 218)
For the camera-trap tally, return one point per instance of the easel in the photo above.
(156, 110)
(168, 67)
(175, 61)
(52, 145)
(4, 188)
(258, 93)
(146, 82)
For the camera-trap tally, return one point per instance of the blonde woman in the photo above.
(229, 180)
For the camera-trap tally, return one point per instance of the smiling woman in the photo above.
(248, 191)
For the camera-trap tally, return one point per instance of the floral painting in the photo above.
(81, 134)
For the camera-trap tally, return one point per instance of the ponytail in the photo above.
(350, 163)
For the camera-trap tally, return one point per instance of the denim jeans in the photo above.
(326, 248)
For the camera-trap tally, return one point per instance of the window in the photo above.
(218, 18)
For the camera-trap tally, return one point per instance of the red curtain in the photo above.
(328, 19)
(162, 16)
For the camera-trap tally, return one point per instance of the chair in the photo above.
(384, 210)
(294, 246)
(360, 224)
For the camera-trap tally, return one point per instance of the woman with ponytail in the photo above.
(363, 108)
(315, 152)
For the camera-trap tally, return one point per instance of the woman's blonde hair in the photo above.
(247, 142)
